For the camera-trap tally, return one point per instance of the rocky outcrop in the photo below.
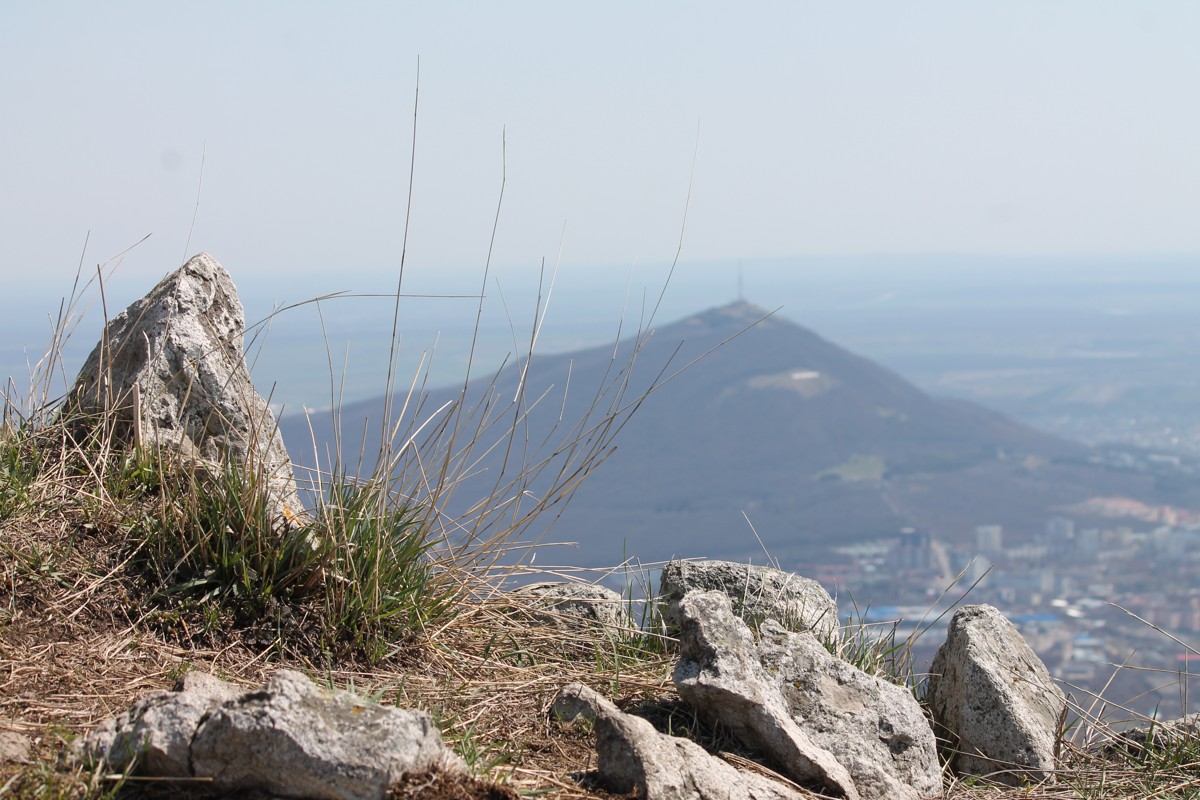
(581, 606)
(816, 720)
(720, 675)
(636, 759)
(874, 728)
(757, 593)
(289, 738)
(995, 707)
(169, 373)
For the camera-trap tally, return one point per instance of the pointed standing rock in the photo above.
(169, 374)
(994, 704)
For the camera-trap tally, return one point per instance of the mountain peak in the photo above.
(740, 312)
(742, 309)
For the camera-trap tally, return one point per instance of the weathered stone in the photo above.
(876, 729)
(289, 738)
(636, 759)
(14, 747)
(156, 733)
(757, 593)
(719, 673)
(995, 708)
(295, 739)
(580, 606)
(170, 374)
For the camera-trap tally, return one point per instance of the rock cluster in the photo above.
(636, 759)
(818, 721)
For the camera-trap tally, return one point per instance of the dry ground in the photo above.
(81, 638)
(80, 641)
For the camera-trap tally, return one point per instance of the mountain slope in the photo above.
(817, 446)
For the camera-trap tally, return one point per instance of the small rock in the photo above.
(636, 759)
(580, 606)
(995, 707)
(720, 675)
(14, 747)
(757, 593)
(169, 373)
(1158, 734)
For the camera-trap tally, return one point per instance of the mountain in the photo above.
(816, 446)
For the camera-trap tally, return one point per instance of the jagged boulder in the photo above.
(289, 738)
(757, 593)
(996, 709)
(636, 759)
(876, 729)
(169, 373)
(585, 607)
(719, 673)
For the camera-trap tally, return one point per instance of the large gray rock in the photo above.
(585, 607)
(995, 707)
(636, 759)
(719, 673)
(876, 729)
(290, 738)
(169, 373)
(757, 593)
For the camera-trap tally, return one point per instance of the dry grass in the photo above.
(79, 644)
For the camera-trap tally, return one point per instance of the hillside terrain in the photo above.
(816, 446)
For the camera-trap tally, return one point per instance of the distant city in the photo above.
(1087, 597)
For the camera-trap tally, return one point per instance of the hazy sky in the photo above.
(822, 128)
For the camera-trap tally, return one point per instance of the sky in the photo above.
(794, 128)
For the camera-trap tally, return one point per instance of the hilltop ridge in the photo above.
(816, 445)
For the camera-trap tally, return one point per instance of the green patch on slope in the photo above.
(858, 467)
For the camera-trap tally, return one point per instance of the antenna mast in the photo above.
(741, 296)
